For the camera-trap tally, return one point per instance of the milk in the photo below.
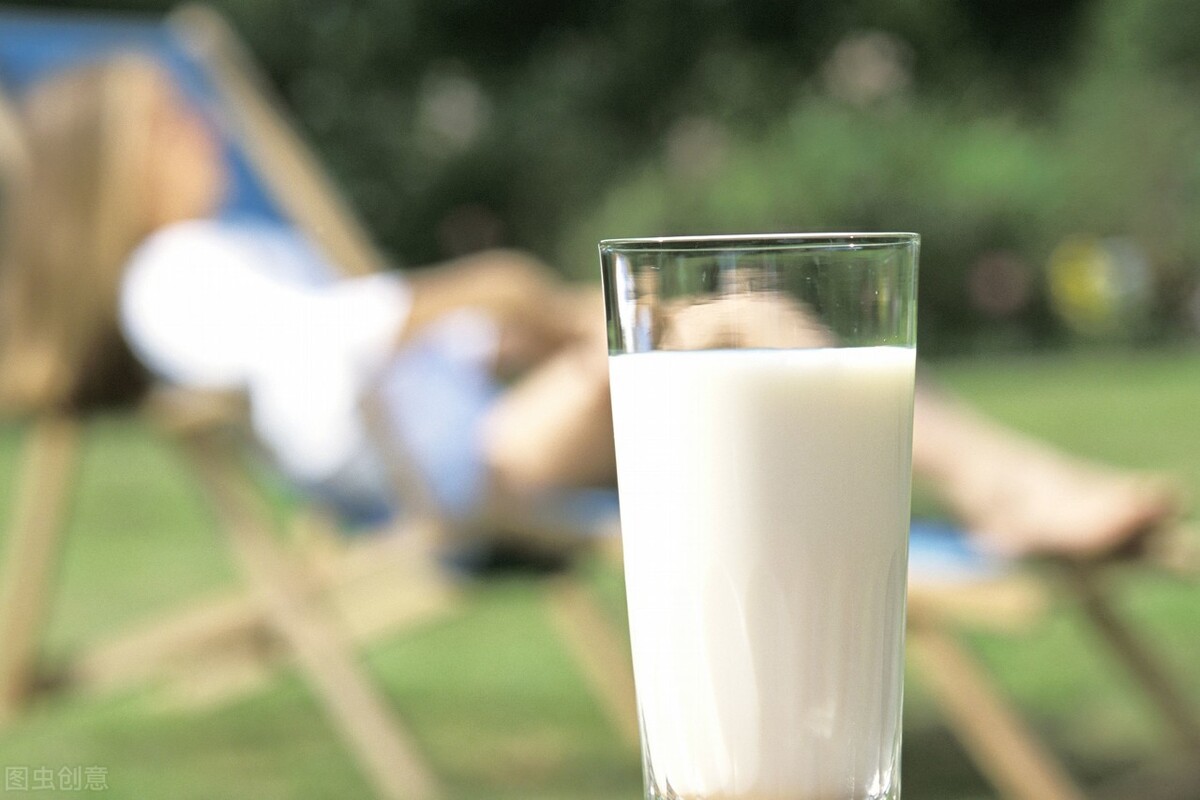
(764, 510)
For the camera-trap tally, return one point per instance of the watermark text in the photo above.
(42, 778)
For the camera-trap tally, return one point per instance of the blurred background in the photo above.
(1048, 153)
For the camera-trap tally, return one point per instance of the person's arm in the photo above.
(535, 312)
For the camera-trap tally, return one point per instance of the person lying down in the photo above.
(491, 373)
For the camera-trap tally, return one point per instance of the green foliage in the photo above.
(1111, 155)
(570, 95)
(995, 128)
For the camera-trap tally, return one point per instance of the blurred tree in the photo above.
(1105, 145)
(995, 127)
(460, 123)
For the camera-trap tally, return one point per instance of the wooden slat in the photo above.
(1000, 744)
(376, 586)
(295, 178)
(385, 751)
(1175, 551)
(1009, 602)
(1177, 709)
(48, 468)
(234, 620)
(600, 651)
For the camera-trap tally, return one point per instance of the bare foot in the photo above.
(1018, 495)
(1021, 497)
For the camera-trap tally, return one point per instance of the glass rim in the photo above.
(851, 240)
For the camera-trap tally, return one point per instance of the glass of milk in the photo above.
(762, 391)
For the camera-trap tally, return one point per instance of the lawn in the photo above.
(493, 695)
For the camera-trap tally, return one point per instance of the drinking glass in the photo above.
(762, 391)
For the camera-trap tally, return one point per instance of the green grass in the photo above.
(491, 693)
(1128, 408)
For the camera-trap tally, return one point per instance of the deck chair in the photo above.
(280, 156)
(287, 599)
(1000, 743)
(954, 586)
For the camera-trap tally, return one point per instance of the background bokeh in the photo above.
(1049, 154)
(1047, 151)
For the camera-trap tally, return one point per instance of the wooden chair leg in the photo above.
(375, 587)
(1176, 707)
(384, 750)
(34, 551)
(1000, 744)
(299, 184)
(600, 651)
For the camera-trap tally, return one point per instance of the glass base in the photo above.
(653, 795)
(667, 792)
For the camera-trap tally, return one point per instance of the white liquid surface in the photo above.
(764, 510)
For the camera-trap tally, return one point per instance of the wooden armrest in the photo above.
(190, 412)
(1010, 603)
(1175, 550)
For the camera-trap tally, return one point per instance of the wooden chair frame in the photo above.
(285, 601)
(283, 598)
(1004, 748)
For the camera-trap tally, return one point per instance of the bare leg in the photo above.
(1019, 495)
(1013, 493)
(554, 429)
